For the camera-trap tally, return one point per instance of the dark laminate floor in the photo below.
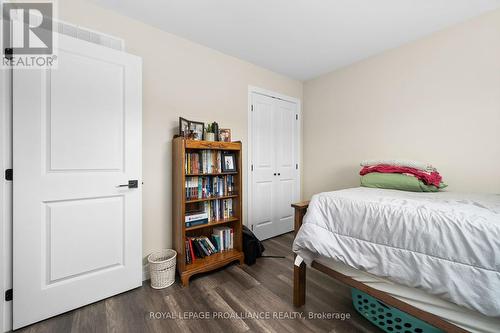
(264, 289)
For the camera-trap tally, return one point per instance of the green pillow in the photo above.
(397, 181)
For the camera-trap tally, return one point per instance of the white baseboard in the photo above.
(7, 317)
(145, 272)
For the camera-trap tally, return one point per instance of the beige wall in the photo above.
(436, 99)
(180, 78)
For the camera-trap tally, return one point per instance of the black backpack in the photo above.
(252, 247)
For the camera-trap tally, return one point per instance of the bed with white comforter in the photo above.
(446, 244)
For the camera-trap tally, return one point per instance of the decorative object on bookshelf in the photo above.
(210, 133)
(192, 130)
(228, 162)
(183, 127)
(215, 130)
(197, 129)
(225, 135)
(206, 205)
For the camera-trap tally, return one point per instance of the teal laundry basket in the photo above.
(388, 318)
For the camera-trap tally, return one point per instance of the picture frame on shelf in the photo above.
(225, 135)
(183, 127)
(228, 162)
(196, 130)
(192, 130)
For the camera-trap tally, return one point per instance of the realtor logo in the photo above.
(27, 27)
(27, 35)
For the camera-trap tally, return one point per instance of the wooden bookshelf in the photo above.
(180, 205)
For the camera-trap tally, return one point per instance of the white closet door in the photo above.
(274, 159)
(77, 136)
(264, 164)
(286, 165)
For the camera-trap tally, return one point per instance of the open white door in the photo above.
(76, 137)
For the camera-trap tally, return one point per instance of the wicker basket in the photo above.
(162, 268)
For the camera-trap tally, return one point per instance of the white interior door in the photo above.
(286, 165)
(264, 165)
(274, 178)
(76, 137)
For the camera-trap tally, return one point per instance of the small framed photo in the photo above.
(183, 127)
(196, 130)
(228, 162)
(225, 135)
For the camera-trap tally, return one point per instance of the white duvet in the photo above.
(447, 244)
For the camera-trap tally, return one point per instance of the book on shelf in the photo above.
(196, 223)
(204, 161)
(191, 252)
(188, 253)
(196, 218)
(222, 239)
(204, 187)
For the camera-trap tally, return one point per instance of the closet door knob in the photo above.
(279, 174)
(275, 173)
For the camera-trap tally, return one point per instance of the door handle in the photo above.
(279, 174)
(275, 173)
(131, 184)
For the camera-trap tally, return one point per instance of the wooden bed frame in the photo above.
(299, 285)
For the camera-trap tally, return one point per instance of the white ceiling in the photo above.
(301, 38)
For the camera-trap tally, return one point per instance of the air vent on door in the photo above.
(79, 32)
(90, 35)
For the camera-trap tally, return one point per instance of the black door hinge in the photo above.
(297, 166)
(8, 52)
(252, 107)
(252, 167)
(296, 117)
(8, 295)
(9, 174)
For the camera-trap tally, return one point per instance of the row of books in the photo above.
(219, 209)
(203, 161)
(222, 239)
(215, 210)
(206, 187)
